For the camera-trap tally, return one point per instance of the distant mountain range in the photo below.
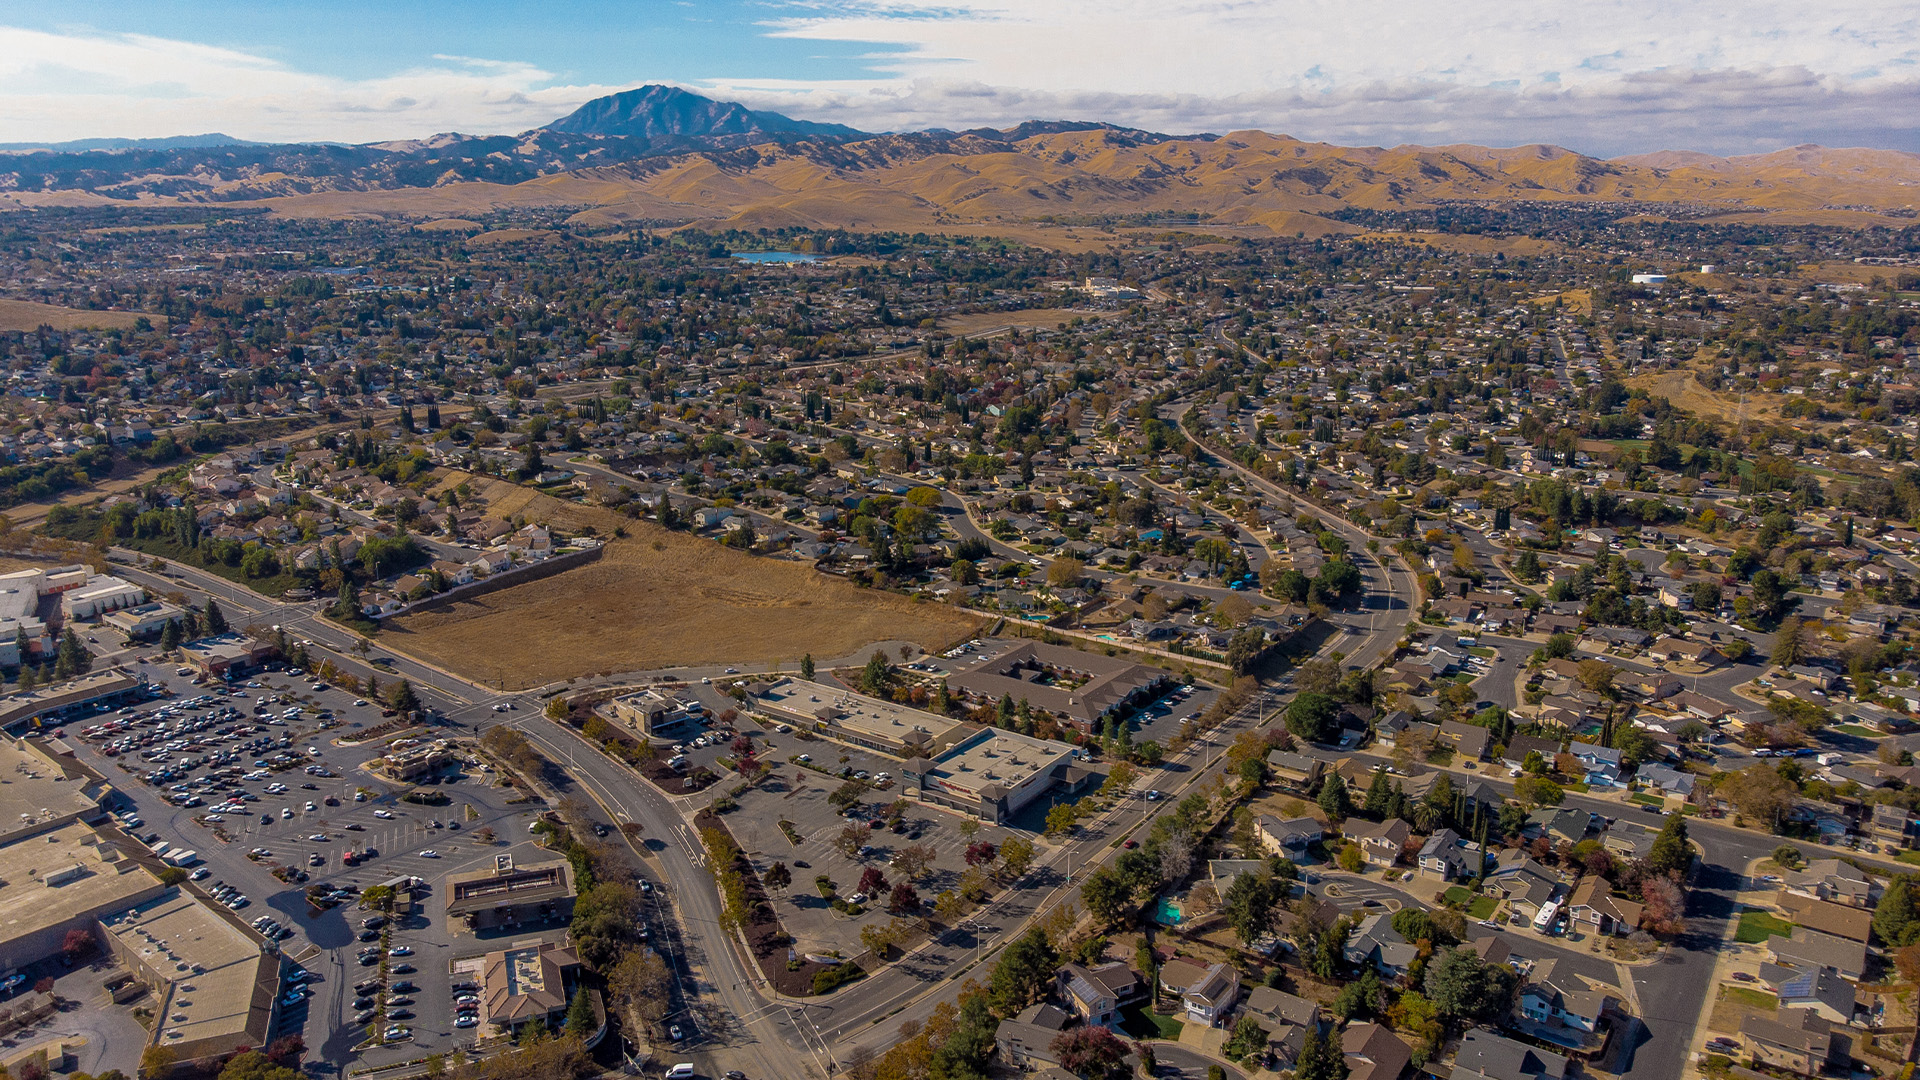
(663, 155)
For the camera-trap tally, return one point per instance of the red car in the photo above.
(1131, 844)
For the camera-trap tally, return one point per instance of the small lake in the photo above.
(774, 257)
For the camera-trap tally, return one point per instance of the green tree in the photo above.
(1249, 906)
(254, 1065)
(877, 676)
(1670, 853)
(1538, 791)
(1024, 972)
(1895, 921)
(580, 1015)
(215, 618)
(1333, 799)
(1016, 856)
(806, 667)
(1320, 1058)
(1312, 717)
(1789, 643)
(1107, 895)
(401, 697)
(1465, 988)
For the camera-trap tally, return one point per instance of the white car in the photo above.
(429, 854)
(360, 701)
(383, 815)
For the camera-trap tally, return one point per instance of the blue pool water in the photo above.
(775, 257)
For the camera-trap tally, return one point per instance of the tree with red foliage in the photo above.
(287, 1050)
(905, 900)
(1088, 1051)
(1665, 906)
(78, 943)
(981, 853)
(872, 881)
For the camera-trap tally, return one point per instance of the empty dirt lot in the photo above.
(641, 607)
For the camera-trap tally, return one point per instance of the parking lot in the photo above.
(264, 784)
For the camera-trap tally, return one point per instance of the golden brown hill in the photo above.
(1251, 178)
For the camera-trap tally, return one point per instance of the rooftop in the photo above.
(211, 967)
(858, 713)
(994, 757)
(50, 878)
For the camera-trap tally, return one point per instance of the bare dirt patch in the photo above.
(509, 236)
(657, 600)
(29, 315)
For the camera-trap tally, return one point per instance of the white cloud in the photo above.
(1608, 77)
(67, 86)
(1614, 76)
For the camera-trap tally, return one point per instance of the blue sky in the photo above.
(1601, 76)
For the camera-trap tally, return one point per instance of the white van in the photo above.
(682, 1071)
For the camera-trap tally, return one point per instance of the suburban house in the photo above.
(1381, 842)
(1290, 837)
(1374, 1052)
(1025, 1042)
(1666, 781)
(1287, 1019)
(1375, 943)
(1835, 881)
(1520, 746)
(1443, 854)
(1554, 997)
(1097, 994)
(1601, 764)
(1297, 771)
(1468, 740)
(1851, 923)
(1819, 989)
(1212, 998)
(1796, 1040)
(1811, 949)
(1593, 904)
(1484, 1055)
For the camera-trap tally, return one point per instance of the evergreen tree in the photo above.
(21, 644)
(401, 696)
(1334, 800)
(170, 635)
(1670, 853)
(580, 1015)
(216, 619)
(806, 667)
(1379, 795)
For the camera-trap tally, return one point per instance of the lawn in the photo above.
(1756, 926)
(1458, 895)
(1857, 731)
(1142, 1022)
(1647, 800)
(1758, 999)
(1482, 907)
(1912, 857)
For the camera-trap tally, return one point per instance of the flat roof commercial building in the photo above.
(897, 730)
(646, 710)
(63, 879)
(99, 595)
(224, 653)
(215, 984)
(144, 620)
(993, 774)
(1081, 688)
(508, 896)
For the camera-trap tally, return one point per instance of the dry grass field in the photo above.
(655, 599)
(658, 600)
(1679, 388)
(1031, 319)
(28, 315)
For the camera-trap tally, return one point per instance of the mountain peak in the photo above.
(656, 111)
